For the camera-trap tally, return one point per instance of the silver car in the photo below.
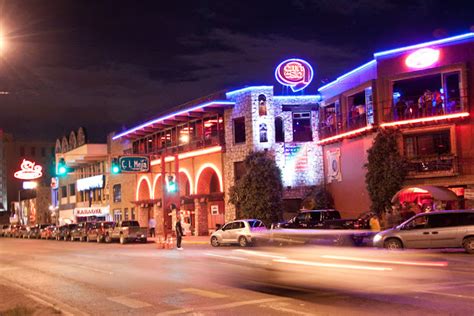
(440, 229)
(242, 232)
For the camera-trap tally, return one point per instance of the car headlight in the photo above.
(377, 238)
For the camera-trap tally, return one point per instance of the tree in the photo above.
(258, 194)
(386, 170)
(318, 198)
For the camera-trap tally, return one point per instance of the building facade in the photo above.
(424, 91)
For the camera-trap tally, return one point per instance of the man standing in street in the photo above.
(152, 226)
(179, 232)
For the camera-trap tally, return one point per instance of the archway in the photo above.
(209, 180)
(143, 191)
(185, 183)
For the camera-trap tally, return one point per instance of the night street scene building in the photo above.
(236, 158)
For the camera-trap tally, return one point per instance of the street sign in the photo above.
(134, 164)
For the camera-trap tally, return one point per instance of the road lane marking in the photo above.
(93, 269)
(281, 308)
(129, 302)
(43, 302)
(219, 307)
(447, 294)
(203, 293)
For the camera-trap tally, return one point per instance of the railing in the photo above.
(353, 123)
(190, 146)
(443, 165)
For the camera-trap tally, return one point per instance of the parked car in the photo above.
(7, 231)
(80, 232)
(64, 232)
(242, 232)
(440, 229)
(17, 231)
(4, 229)
(36, 230)
(126, 231)
(99, 231)
(23, 232)
(310, 219)
(47, 232)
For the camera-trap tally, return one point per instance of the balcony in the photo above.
(201, 143)
(354, 126)
(433, 166)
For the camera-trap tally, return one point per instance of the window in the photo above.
(262, 128)
(262, 105)
(279, 130)
(429, 144)
(466, 219)
(63, 191)
(117, 215)
(132, 212)
(125, 214)
(442, 220)
(72, 189)
(302, 127)
(117, 190)
(239, 130)
(43, 152)
(33, 151)
(22, 151)
(239, 170)
(357, 117)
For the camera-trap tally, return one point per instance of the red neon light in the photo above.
(29, 171)
(343, 135)
(426, 119)
(189, 154)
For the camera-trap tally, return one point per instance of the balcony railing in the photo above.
(443, 165)
(185, 147)
(353, 123)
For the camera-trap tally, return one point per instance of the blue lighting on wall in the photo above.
(246, 89)
(366, 65)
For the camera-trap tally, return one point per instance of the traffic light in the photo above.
(171, 186)
(115, 167)
(62, 168)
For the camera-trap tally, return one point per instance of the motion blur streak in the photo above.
(226, 257)
(331, 265)
(408, 263)
(259, 254)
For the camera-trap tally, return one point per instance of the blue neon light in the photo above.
(366, 65)
(295, 86)
(170, 116)
(231, 93)
(437, 42)
(316, 97)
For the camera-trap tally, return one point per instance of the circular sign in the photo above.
(294, 73)
(422, 58)
(29, 171)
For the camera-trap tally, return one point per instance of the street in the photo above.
(136, 279)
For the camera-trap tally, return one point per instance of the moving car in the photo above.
(440, 229)
(99, 231)
(310, 219)
(242, 232)
(126, 231)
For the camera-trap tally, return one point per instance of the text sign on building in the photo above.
(294, 73)
(95, 182)
(134, 164)
(91, 211)
(29, 171)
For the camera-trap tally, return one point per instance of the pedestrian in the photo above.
(152, 226)
(374, 223)
(401, 108)
(179, 233)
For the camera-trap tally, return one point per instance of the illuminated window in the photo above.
(302, 127)
(262, 105)
(427, 144)
(239, 130)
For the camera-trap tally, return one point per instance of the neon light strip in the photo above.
(230, 93)
(366, 65)
(356, 131)
(190, 154)
(292, 85)
(437, 42)
(213, 167)
(316, 97)
(170, 116)
(426, 119)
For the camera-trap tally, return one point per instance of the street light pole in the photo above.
(20, 215)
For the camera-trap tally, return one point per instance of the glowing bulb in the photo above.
(184, 138)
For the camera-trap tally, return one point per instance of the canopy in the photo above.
(438, 193)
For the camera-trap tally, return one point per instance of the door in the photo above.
(416, 233)
(226, 232)
(444, 230)
(236, 231)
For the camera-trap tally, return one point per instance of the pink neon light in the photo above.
(426, 119)
(144, 178)
(190, 154)
(295, 73)
(422, 58)
(29, 171)
(356, 131)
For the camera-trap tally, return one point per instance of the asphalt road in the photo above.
(139, 279)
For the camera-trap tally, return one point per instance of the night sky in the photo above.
(107, 65)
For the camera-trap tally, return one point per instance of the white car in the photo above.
(240, 232)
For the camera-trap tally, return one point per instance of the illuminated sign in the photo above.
(294, 73)
(91, 211)
(422, 58)
(29, 171)
(134, 164)
(96, 182)
(29, 185)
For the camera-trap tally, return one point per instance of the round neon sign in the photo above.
(422, 58)
(294, 73)
(29, 171)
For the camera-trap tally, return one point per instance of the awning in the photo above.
(438, 193)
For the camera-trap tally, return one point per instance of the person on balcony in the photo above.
(428, 102)
(438, 100)
(401, 107)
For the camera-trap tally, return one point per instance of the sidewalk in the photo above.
(188, 240)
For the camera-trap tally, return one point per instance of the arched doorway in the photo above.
(209, 189)
(143, 196)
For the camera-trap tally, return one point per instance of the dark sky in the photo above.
(106, 65)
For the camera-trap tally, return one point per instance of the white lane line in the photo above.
(446, 294)
(43, 302)
(281, 308)
(93, 269)
(129, 302)
(203, 293)
(218, 307)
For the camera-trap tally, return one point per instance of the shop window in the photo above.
(429, 144)
(426, 96)
(117, 215)
(302, 127)
(262, 105)
(117, 191)
(239, 130)
(357, 110)
(279, 130)
(72, 189)
(239, 170)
